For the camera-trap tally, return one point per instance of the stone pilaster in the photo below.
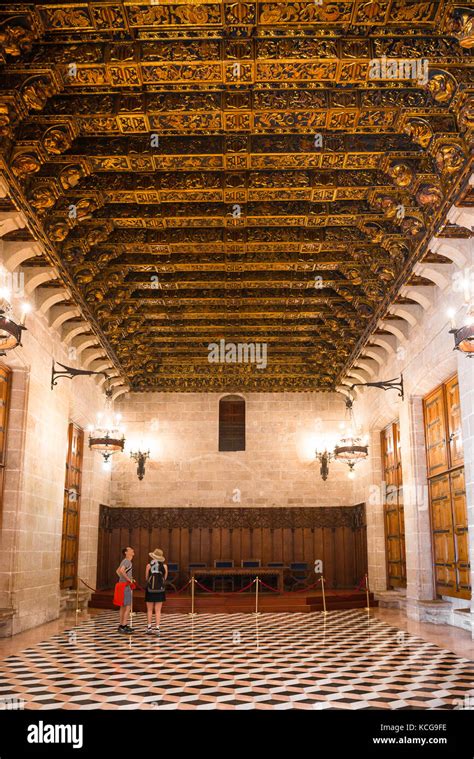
(420, 586)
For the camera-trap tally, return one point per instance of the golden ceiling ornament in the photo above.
(429, 195)
(25, 163)
(419, 130)
(449, 158)
(57, 139)
(464, 27)
(441, 86)
(402, 174)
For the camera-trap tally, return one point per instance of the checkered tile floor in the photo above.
(235, 661)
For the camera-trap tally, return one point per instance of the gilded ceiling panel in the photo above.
(252, 172)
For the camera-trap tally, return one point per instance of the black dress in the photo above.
(157, 596)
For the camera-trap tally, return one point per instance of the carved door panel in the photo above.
(393, 507)
(443, 535)
(453, 412)
(71, 510)
(461, 536)
(435, 426)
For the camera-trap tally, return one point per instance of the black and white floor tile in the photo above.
(344, 660)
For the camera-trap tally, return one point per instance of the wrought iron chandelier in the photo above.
(350, 448)
(464, 335)
(107, 436)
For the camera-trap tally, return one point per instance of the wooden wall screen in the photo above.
(393, 507)
(447, 494)
(71, 511)
(336, 535)
(5, 389)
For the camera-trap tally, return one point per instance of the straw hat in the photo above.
(157, 554)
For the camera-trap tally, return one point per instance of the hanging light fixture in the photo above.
(10, 330)
(350, 449)
(107, 436)
(464, 335)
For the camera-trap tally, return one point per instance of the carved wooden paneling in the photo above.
(335, 535)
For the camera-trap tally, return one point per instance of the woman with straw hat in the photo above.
(156, 574)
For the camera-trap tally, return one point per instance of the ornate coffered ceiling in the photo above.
(235, 171)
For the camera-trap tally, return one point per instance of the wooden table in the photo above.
(250, 572)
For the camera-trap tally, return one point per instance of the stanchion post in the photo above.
(192, 613)
(78, 611)
(367, 608)
(131, 609)
(256, 612)
(324, 595)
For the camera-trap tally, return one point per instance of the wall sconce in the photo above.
(140, 457)
(10, 330)
(324, 458)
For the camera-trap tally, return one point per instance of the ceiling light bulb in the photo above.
(351, 475)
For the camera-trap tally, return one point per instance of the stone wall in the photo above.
(278, 467)
(31, 519)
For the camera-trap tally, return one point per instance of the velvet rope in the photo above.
(275, 590)
(183, 588)
(308, 587)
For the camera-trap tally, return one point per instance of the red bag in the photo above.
(120, 591)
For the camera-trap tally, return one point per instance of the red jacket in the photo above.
(120, 591)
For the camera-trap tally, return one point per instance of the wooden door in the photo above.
(453, 414)
(460, 531)
(443, 535)
(435, 427)
(71, 511)
(444, 453)
(393, 506)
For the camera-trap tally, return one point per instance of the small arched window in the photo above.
(232, 423)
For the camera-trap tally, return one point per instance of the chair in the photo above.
(298, 574)
(248, 564)
(173, 574)
(224, 582)
(276, 565)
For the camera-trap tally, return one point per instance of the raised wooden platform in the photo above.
(232, 603)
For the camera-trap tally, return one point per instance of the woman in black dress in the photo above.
(156, 574)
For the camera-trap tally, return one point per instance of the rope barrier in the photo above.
(308, 587)
(94, 590)
(275, 590)
(217, 593)
(183, 588)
